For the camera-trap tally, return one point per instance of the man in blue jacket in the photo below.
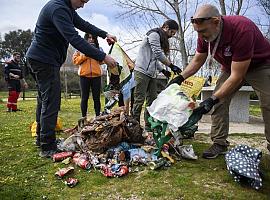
(55, 30)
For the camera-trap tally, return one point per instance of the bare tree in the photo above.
(142, 15)
(151, 13)
(222, 7)
(235, 7)
(266, 6)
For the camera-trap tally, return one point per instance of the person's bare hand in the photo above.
(109, 61)
(111, 39)
(25, 85)
(16, 76)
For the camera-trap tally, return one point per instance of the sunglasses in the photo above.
(199, 20)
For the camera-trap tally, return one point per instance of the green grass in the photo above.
(255, 110)
(23, 175)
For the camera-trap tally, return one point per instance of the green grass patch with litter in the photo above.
(24, 175)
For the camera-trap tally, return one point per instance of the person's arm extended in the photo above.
(63, 22)
(154, 41)
(195, 64)
(238, 72)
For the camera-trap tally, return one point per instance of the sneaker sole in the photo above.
(44, 156)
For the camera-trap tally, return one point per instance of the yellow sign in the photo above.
(193, 86)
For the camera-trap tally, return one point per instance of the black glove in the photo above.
(179, 79)
(208, 104)
(166, 73)
(175, 69)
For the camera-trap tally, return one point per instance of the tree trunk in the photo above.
(222, 7)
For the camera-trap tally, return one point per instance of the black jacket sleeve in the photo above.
(63, 22)
(6, 72)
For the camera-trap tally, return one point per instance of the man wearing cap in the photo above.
(55, 30)
(14, 75)
(244, 54)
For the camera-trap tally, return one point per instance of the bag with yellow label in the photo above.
(193, 86)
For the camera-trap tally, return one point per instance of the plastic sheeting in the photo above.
(171, 106)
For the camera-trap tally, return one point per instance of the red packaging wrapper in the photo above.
(82, 162)
(71, 182)
(123, 171)
(64, 171)
(106, 171)
(61, 156)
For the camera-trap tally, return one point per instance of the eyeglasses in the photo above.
(199, 20)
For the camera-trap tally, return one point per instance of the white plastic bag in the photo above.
(171, 106)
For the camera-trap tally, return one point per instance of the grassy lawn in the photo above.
(23, 175)
(255, 110)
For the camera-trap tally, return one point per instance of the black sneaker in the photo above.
(214, 151)
(37, 143)
(16, 110)
(9, 110)
(47, 154)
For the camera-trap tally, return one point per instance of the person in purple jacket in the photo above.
(54, 31)
(244, 54)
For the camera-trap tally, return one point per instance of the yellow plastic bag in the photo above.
(124, 61)
(193, 86)
(33, 129)
(59, 127)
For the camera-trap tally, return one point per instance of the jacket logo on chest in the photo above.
(227, 51)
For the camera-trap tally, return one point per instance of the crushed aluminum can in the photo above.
(71, 182)
(82, 162)
(76, 155)
(153, 165)
(64, 171)
(106, 171)
(123, 170)
(62, 156)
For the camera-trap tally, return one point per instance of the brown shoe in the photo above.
(214, 151)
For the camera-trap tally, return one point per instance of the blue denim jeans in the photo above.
(48, 102)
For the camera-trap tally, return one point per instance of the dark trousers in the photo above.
(48, 102)
(95, 85)
(259, 79)
(161, 85)
(145, 89)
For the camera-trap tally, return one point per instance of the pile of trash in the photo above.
(114, 145)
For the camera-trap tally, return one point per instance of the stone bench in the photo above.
(239, 107)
